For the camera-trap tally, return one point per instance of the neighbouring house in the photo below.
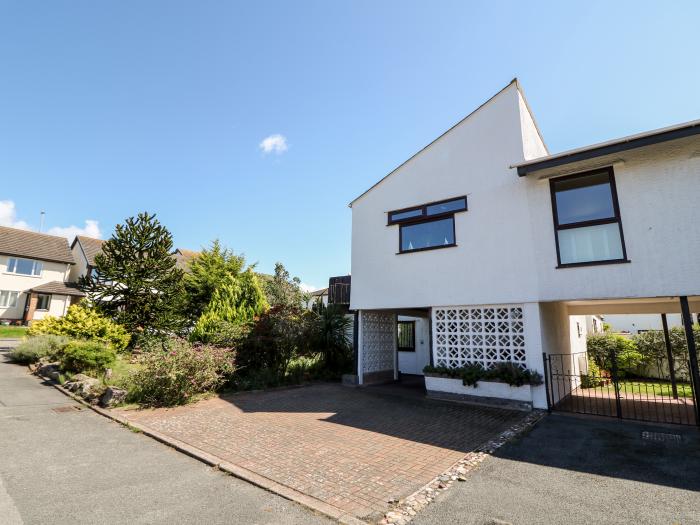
(183, 258)
(84, 250)
(35, 273)
(318, 296)
(486, 247)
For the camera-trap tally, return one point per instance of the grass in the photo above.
(121, 369)
(12, 332)
(650, 388)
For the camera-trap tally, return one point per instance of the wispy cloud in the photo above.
(8, 217)
(274, 144)
(308, 287)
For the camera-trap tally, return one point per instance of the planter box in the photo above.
(485, 389)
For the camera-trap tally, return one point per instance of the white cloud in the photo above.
(274, 144)
(91, 229)
(308, 287)
(8, 217)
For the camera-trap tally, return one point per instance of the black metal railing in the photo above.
(575, 384)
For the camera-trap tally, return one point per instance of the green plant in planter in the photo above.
(505, 372)
(471, 374)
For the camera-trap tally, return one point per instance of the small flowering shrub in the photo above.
(82, 322)
(175, 375)
(34, 348)
(87, 356)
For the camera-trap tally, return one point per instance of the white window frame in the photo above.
(48, 304)
(8, 299)
(37, 266)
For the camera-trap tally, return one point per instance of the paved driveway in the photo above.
(354, 449)
(581, 471)
(62, 465)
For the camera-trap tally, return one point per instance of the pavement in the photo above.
(351, 450)
(580, 471)
(62, 463)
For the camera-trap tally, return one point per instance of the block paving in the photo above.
(353, 448)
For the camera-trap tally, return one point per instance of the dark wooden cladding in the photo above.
(339, 290)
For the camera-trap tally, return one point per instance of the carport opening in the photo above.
(633, 359)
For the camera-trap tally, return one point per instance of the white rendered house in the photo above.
(34, 276)
(504, 249)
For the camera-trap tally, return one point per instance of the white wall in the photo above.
(57, 307)
(493, 262)
(634, 323)
(52, 271)
(658, 191)
(79, 269)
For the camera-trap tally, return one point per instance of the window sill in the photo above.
(593, 263)
(22, 275)
(428, 249)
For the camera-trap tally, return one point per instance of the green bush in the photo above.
(593, 378)
(34, 348)
(601, 348)
(81, 322)
(505, 372)
(175, 376)
(87, 356)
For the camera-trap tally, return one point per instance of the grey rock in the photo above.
(113, 396)
(86, 387)
(48, 369)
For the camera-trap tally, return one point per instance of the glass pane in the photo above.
(427, 234)
(400, 215)
(13, 299)
(38, 266)
(405, 335)
(591, 243)
(24, 266)
(3, 299)
(444, 207)
(584, 199)
(11, 264)
(42, 302)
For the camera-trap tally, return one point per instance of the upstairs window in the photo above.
(428, 226)
(24, 266)
(587, 219)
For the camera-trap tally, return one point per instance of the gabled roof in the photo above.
(511, 83)
(33, 245)
(319, 293)
(638, 140)
(183, 257)
(90, 247)
(59, 288)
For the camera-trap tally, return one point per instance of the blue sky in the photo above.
(111, 108)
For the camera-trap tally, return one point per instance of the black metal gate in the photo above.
(576, 384)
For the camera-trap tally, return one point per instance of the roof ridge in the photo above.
(34, 232)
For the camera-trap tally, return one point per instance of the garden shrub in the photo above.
(87, 356)
(505, 372)
(34, 348)
(329, 328)
(601, 348)
(82, 322)
(175, 376)
(593, 378)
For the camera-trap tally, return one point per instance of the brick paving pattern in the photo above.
(354, 449)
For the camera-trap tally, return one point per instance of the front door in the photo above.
(413, 344)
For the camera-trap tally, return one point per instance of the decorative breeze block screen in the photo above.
(378, 332)
(483, 335)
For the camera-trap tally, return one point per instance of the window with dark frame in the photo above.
(428, 226)
(43, 301)
(406, 336)
(587, 224)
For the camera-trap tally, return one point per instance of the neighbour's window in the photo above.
(587, 219)
(428, 226)
(42, 302)
(8, 299)
(406, 336)
(24, 266)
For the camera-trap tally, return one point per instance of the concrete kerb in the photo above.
(213, 461)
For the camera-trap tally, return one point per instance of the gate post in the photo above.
(547, 370)
(616, 383)
(669, 355)
(692, 354)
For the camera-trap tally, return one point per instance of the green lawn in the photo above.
(120, 370)
(650, 388)
(12, 332)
